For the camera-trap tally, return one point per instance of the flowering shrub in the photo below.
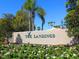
(28, 51)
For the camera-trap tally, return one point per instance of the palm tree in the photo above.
(8, 16)
(51, 23)
(38, 28)
(31, 7)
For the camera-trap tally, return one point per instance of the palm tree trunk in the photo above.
(32, 24)
(42, 26)
(29, 24)
(32, 18)
(29, 21)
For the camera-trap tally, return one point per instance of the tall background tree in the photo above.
(72, 18)
(6, 28)
(32, 8)
(71, 5)
(6, 24)
(20, 23)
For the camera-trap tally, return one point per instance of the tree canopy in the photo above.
(72, 18)
(33, 8)
(22, 20)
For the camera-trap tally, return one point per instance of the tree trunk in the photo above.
(42, 26)
(6, 41)
(29, 21)
(29, 25)
(32, 24)
(33, 17)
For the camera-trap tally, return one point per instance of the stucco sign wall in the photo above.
(53, 37)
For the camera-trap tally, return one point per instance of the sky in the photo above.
(55, 10)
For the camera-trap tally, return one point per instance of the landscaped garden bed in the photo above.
(28, 51)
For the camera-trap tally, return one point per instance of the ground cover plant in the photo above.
(28, 51)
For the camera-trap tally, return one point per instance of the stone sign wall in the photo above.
(54, 37)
